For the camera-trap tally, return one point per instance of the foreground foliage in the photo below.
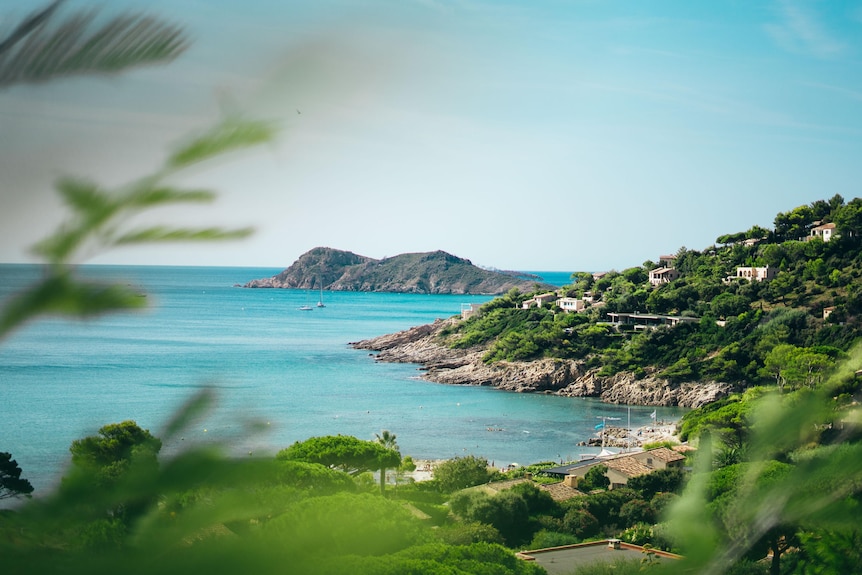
(121, 510)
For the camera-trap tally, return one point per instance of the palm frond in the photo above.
(231, 134)
(163, 234)
(37, 51)
(62, 295)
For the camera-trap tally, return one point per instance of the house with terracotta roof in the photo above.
(622, 466)
(660, 458)
(621, 469)
(561, 491)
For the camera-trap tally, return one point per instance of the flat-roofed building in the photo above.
(571, 304)
(568, 558)
(756, 274)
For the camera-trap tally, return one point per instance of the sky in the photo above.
(567, 135)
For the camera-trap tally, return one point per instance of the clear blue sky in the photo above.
(532, 135)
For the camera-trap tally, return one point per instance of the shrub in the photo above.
(544, 539)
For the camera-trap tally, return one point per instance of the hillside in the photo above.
(780, 306)
(424, 273)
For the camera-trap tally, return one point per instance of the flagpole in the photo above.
(603, 426)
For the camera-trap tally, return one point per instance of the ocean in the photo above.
(280, 375)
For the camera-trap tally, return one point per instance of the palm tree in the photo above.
(387, 439)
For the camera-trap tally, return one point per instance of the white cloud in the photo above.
(801, 31)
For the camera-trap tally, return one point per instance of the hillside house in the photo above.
(662, 275)
(469, 309)
(572, 304)
(660, 458)
(756, 274)
(643, 321)
(621, 467)
(824, 232)
(666, 261)
(540, 300)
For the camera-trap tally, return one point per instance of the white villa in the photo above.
(572, 304)
(824, 232)
(756, 274)
(540, 300)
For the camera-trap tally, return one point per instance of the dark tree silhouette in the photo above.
(11, 484)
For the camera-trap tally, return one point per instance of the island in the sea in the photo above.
(422, 273)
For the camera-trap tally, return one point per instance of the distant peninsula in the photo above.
(421, 273)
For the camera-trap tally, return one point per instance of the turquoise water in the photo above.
(291, 370)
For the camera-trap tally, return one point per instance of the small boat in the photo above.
(320, 301)
(305, 306)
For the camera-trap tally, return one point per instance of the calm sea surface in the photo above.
(290, 370)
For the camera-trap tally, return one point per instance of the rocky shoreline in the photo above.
(421, 345)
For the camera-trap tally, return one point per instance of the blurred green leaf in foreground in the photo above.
(48, 45)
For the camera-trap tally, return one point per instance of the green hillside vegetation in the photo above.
(746, 333)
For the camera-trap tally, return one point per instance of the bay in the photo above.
(280, 375)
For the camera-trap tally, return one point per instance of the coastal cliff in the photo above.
(423, 273)
(423, 345)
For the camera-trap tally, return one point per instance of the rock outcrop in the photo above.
(426, 273)
(423, 345)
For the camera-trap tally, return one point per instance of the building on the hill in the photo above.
(824, 232)
(756, 274)
(663, 275)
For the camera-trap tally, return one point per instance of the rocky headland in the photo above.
(423, 273)
(423, 345)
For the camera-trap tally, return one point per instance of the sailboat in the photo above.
(305, 306)
(320, 301)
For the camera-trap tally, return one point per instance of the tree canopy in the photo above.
(11, 482)
(344, 452)
(461, 472)
(114, 450)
